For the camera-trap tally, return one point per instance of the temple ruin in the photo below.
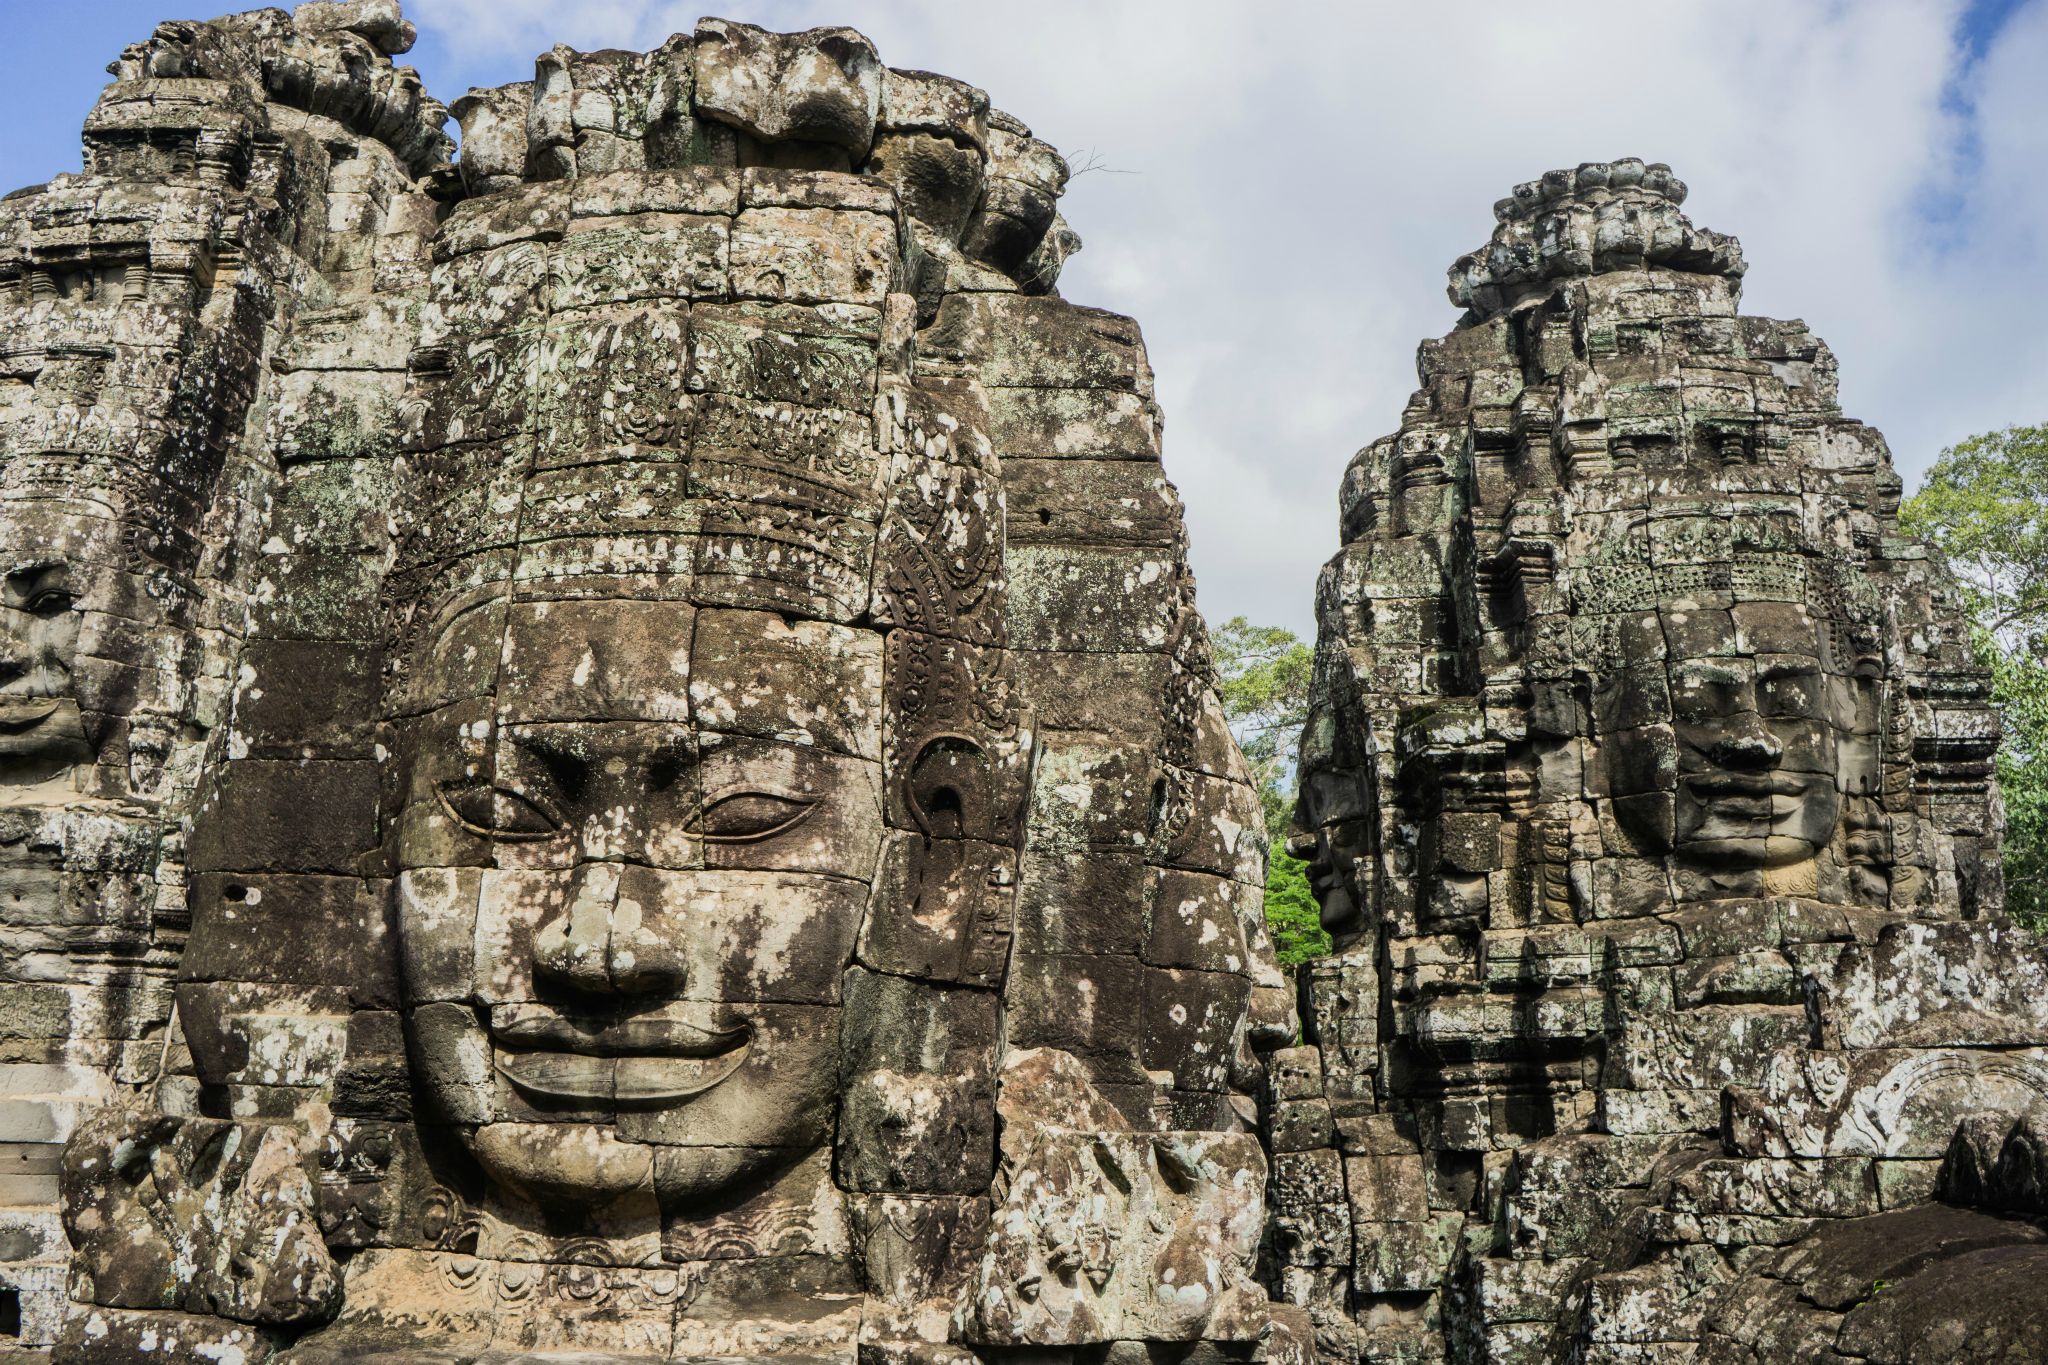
(608, 756)
(1649, 793)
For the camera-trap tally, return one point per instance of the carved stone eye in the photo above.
(497, 812)
(748, 816)
(50, 602)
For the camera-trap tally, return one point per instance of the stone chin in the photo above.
(575, 1167)
(563, 1165)
(40, 738)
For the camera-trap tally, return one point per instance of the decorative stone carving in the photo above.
(679, 863)
(587, 774)
(233, 172)
(1649, 798)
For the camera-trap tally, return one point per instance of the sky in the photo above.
(1277, 187)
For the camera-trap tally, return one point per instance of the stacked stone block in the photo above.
(1648, 788)
(716, 838)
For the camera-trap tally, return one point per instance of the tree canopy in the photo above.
(1263, 675)
(1985, 504)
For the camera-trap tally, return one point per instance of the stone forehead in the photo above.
(511, 641)
(716, 669)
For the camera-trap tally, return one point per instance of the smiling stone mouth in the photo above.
(1746, 784)
(23, 713)
(647, 1060)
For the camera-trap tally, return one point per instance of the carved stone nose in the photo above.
(595, 947)
(1747, 744)
(573, 947)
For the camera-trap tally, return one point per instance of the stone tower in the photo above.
(612, 736)
(1649, 795)
(236, 176)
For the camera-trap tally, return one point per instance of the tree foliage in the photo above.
(2019, 684)
(1292, 915)
(1985, 504)
(1263, 675)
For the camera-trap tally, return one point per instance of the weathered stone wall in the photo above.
(1649, 793)
(695, 785)
(150, 303)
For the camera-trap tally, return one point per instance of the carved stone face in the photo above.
(1729, 752)
(632, 873)
(1330, 806)
(61, 561)
(39, 722)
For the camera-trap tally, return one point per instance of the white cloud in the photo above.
(1302, 173)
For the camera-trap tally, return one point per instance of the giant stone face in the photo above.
(1729, 731)
(40, 731)
(656, 931)
(642, 816)
(89, 631)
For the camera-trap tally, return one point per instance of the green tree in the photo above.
(2019, 684)
(1982, 503)
(1263, 675)
(1292, 915)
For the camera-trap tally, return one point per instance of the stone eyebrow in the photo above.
(549, 744)
(33, 567)
(1707, 670)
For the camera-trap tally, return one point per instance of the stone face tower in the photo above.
(237, 176)
(1648, 789)
(607, 755)
(610, 747)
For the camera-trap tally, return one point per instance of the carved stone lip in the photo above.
(652, 1059)
(538, 1028)
(25, 713)
(578, 1079)
(1748, 784)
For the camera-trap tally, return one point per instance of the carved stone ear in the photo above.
(948, 788)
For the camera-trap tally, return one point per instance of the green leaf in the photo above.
(1291, 911)
(1982, 504)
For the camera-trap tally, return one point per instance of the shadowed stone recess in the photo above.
(1649, 798)
(606, 752)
